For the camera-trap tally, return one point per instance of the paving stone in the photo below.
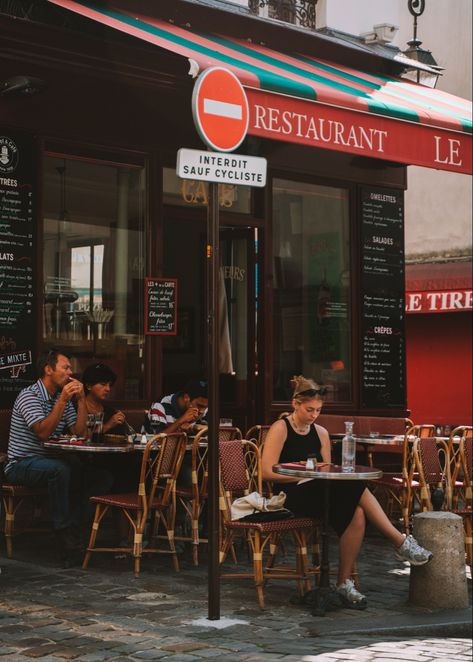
(39, 651)
(96, 656)
(5, 650)
(157, 655)
(184, 646)
(179, 658)
(211, 652)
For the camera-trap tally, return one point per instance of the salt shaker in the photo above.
(311, 463)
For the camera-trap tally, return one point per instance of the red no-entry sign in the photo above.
(220, 109)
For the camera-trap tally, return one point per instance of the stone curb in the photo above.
(457, 624)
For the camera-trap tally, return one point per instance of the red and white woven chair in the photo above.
(153, 501)
(263, 536)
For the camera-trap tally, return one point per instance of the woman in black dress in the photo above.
(291, 439)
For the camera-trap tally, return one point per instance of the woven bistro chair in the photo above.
(227, 433)
(13, 497)
(398, 490)
(257, 434)
(162, 459)
(432, 461)
(463, 472)
(235, 481)
(432, 466)
(454, 445)
(193, 497)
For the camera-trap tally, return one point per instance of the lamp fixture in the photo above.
(427, 71)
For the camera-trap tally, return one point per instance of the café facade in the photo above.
(96, 103)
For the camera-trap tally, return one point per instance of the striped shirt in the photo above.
(162, 414)
(33, 404)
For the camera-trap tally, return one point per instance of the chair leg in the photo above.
(99, 514)
(468, 541)
(258, 567)
(9, 505)
(273, 548)
(302, 563)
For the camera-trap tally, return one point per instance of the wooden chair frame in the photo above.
(235, 480)
(153, 501)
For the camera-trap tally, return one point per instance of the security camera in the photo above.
(21, 86)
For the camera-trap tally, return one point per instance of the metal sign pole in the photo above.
(213, 417)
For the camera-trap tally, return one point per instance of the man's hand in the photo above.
(189, 416)
(73, 388)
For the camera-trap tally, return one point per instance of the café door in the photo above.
(238, 323)
(184, 355)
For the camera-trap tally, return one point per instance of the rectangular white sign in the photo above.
(222, 168)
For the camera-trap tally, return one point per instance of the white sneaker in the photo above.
(411, 551)
(350, 596)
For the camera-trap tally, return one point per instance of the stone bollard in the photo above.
(440, 584)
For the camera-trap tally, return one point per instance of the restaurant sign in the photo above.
(221, 168)
(453, 301)
(316, 124)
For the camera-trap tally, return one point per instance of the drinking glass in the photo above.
(97, 436)
(90, 425)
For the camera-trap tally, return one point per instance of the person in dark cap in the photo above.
(180, 410)
(98, 380)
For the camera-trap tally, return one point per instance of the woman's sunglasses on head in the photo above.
(312, 392)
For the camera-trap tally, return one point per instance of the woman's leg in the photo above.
(376, 515)
(350, 543)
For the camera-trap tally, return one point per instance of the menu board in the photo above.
(17, 262)
(161, 306)
(382, 296)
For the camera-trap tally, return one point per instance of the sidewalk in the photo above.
(106, 614)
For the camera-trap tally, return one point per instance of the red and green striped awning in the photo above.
(302, 99)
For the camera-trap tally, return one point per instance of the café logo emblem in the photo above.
(9, 155)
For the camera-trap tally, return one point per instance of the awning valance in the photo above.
(439, 287)
(306, 100)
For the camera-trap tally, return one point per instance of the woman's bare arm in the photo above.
(326, 447)
(273, 446)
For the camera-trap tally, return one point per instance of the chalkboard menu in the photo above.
(382, 297)
(18, 158)
(160, 306)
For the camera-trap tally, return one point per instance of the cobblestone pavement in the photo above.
(106, 614)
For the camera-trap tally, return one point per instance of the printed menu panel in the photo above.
(17, 262)
(161, 306)
(382, 297)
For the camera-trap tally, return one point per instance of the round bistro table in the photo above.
(323, 597)
(88, 448)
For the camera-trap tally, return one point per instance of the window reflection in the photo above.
(93, 266)
(311, 287)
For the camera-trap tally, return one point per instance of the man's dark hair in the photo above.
(197, 388)
(49, 358)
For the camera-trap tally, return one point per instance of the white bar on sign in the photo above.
(223, 109)
(223, 168)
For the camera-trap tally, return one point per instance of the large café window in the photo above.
(311, 288)
(93, 267)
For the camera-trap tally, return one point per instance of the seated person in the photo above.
(179, 411)
(41, 410)
(98, 380)
(292, 438)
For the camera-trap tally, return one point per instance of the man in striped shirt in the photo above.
(41, 410)
(180, 410)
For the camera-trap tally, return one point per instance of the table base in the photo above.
(323, 599)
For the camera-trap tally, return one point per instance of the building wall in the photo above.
(438, 204)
